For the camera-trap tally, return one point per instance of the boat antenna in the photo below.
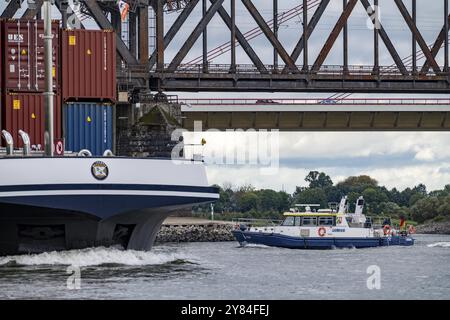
(48, 94)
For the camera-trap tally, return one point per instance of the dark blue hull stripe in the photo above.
(134, 187)
(277, 240)
(101, 206)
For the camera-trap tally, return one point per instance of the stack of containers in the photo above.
(88, 89)
(23, 79)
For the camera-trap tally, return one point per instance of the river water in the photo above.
(226, 271)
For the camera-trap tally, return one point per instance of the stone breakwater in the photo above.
(195, 233)
(434, 228)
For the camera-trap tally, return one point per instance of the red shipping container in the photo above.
(23, 50)
(40, 58)
(1, 59)
(26, 111)
(88, 65)
(1, 75)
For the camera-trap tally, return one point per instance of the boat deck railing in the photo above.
(257, 222)
(18, 153)
(378, 222)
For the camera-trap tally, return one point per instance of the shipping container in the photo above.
(1, 78)
(40, 57)
(26, 111)
(88, 126)
(23, 55)
(2, 62)
(88, 65)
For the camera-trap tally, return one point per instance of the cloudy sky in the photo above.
(395, 159)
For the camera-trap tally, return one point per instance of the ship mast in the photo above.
(48, 94)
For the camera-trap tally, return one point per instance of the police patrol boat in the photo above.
(77, 201)
(325, 229)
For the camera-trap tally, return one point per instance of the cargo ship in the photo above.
(55, 200)
(74, 202)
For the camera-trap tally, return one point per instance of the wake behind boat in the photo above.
(324, 229)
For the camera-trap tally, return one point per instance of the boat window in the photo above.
(309, 221)
(288, 222)
(297, 221)
(326, 221)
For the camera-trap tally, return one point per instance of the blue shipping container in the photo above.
(88, 126)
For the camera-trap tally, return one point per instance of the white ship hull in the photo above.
(65, 203)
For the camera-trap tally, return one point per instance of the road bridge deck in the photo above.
(318, 114)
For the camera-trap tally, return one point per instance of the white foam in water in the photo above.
(93, 257)
(256, 245)
(439, 244)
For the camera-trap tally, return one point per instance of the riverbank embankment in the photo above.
(188, 229)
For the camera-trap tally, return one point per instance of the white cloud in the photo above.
(425, 145)
(408, 176)
(425, 154)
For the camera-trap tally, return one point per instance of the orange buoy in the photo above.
(322, 231)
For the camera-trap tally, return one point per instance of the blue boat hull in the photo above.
(278, 240)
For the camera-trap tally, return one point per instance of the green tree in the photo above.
(425, 209)
(269, 200)
(334, 194)
(352, 197)
(410, 196)
(247, 202)
(356, 184)
(312, 196)
(298, 190)
(421, 189)
(444, 207)
(415, 197)
(374, 199)
(391, 209)
(318, 179)
(441, 193)
(285, 200)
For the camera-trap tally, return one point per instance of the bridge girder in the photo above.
(310, 115)
(320, 121)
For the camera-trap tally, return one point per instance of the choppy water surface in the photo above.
(226, 271)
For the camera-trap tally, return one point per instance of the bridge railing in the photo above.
(328, 70)
(318, 101)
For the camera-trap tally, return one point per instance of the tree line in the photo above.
(414, 203)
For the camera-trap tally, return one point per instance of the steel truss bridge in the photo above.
(142, 66)
(312, 74)
(295, 71)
